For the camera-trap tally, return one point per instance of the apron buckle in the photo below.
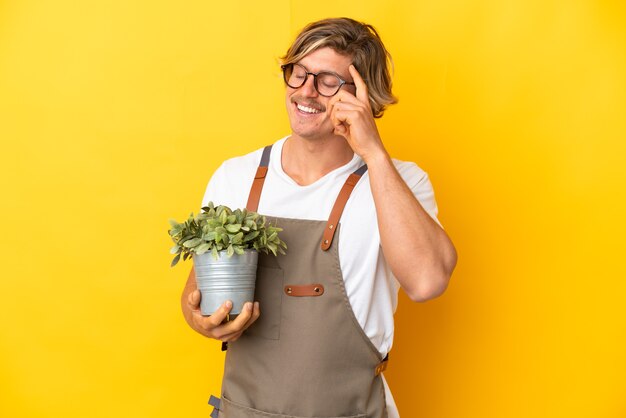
(382, 366)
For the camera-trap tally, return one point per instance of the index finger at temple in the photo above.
(361, 88)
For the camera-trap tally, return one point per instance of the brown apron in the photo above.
(306, 355)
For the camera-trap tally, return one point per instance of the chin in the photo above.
(310, 134)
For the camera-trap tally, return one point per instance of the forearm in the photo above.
(417, 249)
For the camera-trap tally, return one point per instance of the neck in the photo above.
(307, 160)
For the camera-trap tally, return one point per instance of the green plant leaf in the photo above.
(188, 236)
(238, 216)
(237, 239)
(203, 248)
(175, 260)
(192, 242)
(219, 228)
(209, 236)
(233, 229)
(252, 235)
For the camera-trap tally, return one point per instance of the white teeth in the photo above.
(307, 109)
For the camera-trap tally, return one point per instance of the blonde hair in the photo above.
(358, 40)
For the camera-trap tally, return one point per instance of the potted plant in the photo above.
(224, 246)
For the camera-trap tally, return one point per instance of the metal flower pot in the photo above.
(227, 278)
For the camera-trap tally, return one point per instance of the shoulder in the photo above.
(234, 169)
(410, 172)
(231, 182)
(248, 161)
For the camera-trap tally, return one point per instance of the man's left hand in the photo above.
(352, 117)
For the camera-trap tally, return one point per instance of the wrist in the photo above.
(377, 158)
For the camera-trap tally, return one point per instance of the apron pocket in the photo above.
(230, 409)
(269, 292)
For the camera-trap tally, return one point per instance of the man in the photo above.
(357, 224)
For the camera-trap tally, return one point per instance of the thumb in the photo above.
(194, 299)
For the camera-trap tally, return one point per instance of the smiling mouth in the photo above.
(309, 110)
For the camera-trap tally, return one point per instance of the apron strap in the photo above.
(259, 179)
(340, 203)
(331, 226)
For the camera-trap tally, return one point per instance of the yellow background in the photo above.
(114, 114)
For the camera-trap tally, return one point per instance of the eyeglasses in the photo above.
(326, 84)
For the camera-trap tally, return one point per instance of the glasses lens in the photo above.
(328, 84)
(295, 75)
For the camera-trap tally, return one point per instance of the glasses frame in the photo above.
(342, 82)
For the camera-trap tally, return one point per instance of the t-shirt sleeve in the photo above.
(230, 183)
(419, 183)
(214, 190)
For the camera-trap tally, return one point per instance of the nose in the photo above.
(308, 88)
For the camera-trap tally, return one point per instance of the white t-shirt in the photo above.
(371, 287)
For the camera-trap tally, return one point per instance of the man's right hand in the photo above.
(214, 326)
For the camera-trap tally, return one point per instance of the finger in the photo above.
(344, 96)
(256, 312)
(345, 117)
(340, 127)
(341, 107)
(361, 88)
(231, 337)
(237, 324)
(216, 318)
(193, 300)
(347, 106)
(342, 131)
(346, 113)
(340, 98)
